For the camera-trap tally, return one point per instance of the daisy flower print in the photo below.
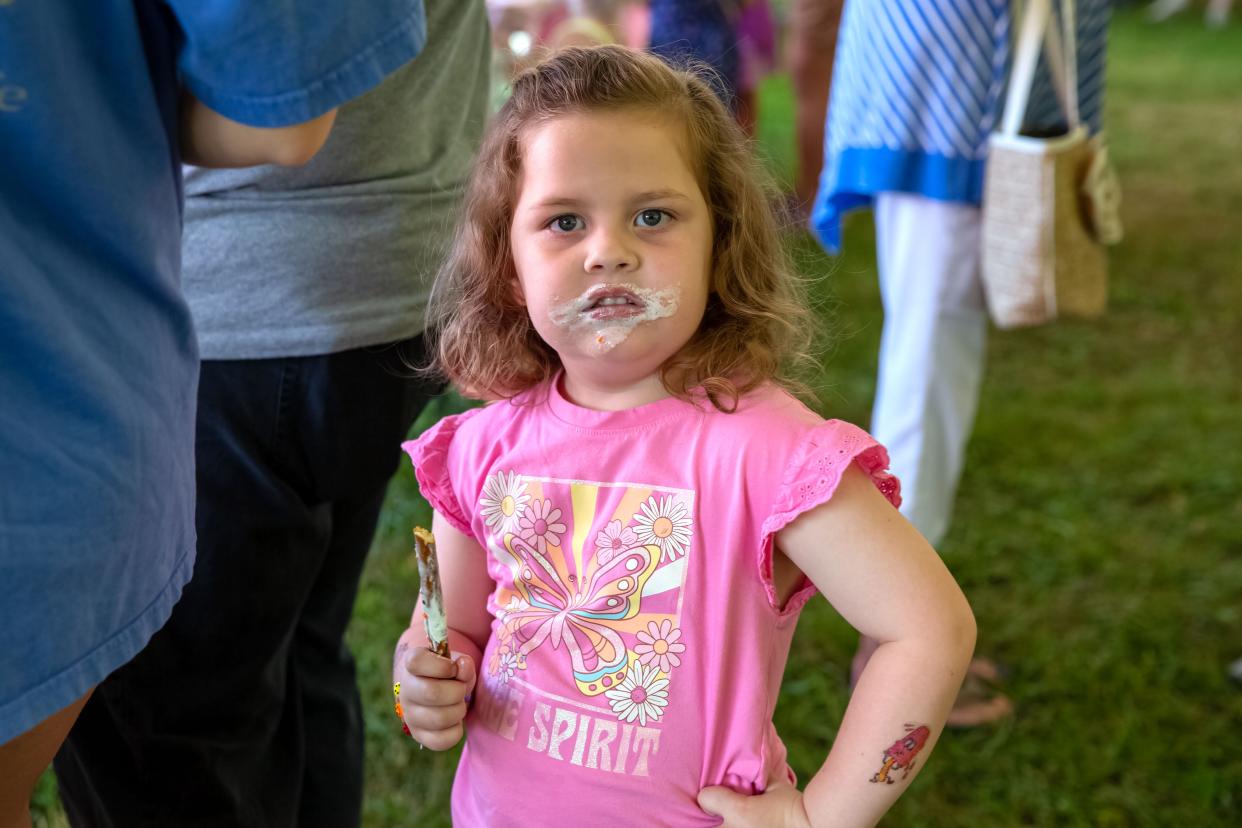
(665, 522)
(658, 646)
(503, 501)
(505, 664)
(541, 525)
(641, 695)
(614, 540)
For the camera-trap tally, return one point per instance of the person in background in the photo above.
(1216, 15)
(699, 30)
(755, 30)
(98, 360)
(308, 289)
(812, 48)
(915, 94)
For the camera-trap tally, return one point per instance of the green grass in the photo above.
(1098, 530)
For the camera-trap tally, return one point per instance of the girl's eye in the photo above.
(566, 223)
(651, 218)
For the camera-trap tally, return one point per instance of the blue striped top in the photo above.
(918, 87)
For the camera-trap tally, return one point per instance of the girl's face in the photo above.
(612, 242)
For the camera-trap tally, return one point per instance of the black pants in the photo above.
(243, 710)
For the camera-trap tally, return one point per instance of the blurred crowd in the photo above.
(738, 42)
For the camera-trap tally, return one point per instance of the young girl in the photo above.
(627, 537)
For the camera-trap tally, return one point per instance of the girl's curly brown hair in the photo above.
(757, 325)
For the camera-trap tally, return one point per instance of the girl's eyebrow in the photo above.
(556, 201)
(662, 195)
(574, 203)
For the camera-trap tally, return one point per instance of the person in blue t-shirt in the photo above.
(99, 105)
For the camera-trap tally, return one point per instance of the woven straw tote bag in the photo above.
(1049, 204)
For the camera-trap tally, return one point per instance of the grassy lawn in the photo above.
(1099, 525)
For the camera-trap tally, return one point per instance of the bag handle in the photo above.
(1063, 62)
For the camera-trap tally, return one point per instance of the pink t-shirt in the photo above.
(636, 648)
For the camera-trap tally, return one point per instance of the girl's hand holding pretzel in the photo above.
(433, 695)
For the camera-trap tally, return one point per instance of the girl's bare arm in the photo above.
(886, 581)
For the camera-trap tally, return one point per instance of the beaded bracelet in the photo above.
(396, 696)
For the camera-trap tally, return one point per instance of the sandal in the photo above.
(980, 701)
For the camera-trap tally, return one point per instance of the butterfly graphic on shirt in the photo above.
(579, 615)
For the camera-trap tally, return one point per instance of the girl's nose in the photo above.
(609, 252)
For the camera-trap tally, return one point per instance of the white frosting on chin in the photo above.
(610, 337)
(609, 333)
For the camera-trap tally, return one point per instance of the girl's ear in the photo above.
(515, 286)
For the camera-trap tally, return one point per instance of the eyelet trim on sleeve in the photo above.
(810, 480)
(429, 453)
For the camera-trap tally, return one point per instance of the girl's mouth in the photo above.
(620, 308)
(612, 303)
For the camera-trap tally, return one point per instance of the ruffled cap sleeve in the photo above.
(430, 456)
(811, 478)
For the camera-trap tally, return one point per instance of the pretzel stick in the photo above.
(429, 589)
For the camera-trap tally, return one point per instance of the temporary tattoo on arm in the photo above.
(901, 754)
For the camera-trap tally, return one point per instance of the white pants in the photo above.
(932, 348)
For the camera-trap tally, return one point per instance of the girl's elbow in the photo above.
(963, 632)
(954, 632)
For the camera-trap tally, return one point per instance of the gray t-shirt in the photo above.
(340, 253)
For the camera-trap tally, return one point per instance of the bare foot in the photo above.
(980, 701)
